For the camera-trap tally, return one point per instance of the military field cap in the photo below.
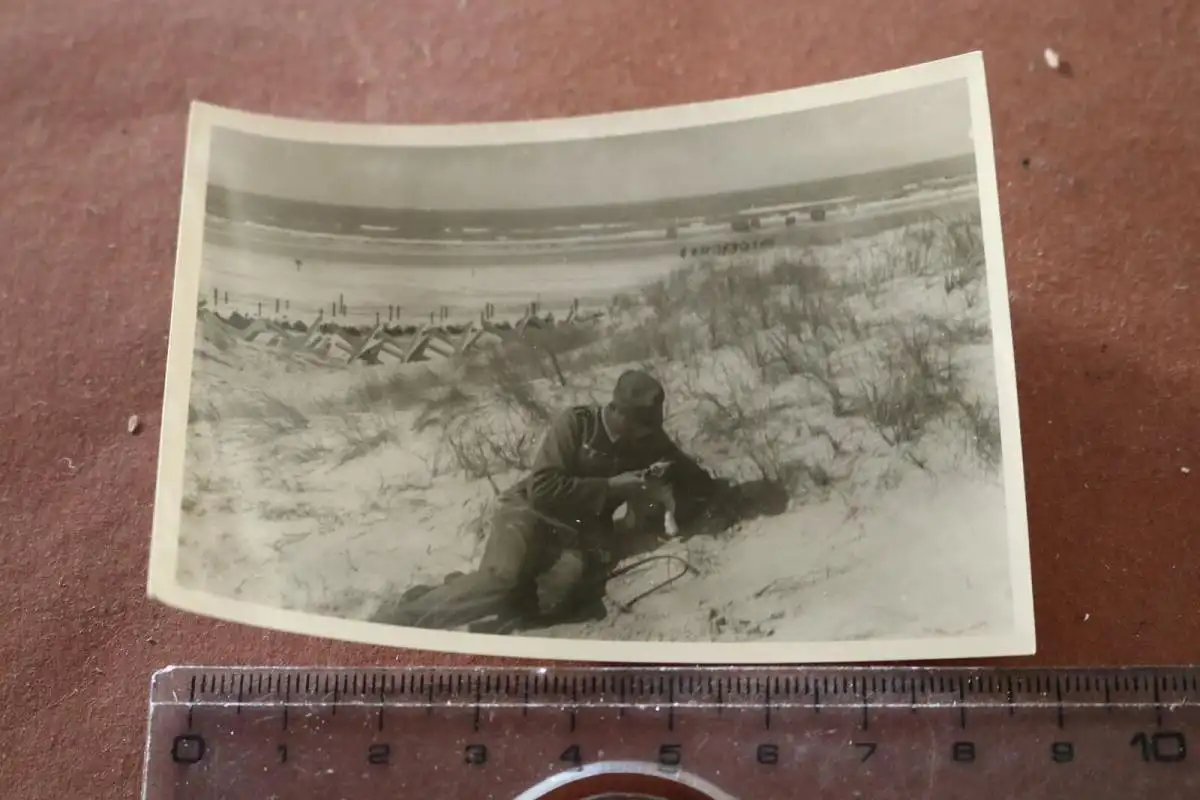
(639, 392)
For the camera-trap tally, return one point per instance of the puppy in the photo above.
(660, 494)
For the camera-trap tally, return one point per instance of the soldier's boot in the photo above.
(413, 592)
(451, 605)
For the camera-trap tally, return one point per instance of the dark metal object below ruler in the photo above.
(686, 733)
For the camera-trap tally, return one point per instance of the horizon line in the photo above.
(960, 165)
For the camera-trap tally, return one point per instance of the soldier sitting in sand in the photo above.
(551, 532)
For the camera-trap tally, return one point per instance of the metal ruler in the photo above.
(673, 733)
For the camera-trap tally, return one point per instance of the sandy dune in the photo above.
(858, 376)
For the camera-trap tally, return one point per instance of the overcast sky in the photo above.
(863, 136)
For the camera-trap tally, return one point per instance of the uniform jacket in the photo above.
(569, 479)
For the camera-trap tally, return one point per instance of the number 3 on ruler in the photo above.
(476, 754)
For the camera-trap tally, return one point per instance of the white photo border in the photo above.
(162, 583)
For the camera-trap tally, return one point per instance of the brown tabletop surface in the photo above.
(1098, 172)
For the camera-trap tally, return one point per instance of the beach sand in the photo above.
(324, 487)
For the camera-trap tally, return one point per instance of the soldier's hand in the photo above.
(627, 483)
(659, 469)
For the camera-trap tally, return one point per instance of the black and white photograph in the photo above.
(727, 382)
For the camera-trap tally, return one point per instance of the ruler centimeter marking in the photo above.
(308, 688)
(906, 726)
